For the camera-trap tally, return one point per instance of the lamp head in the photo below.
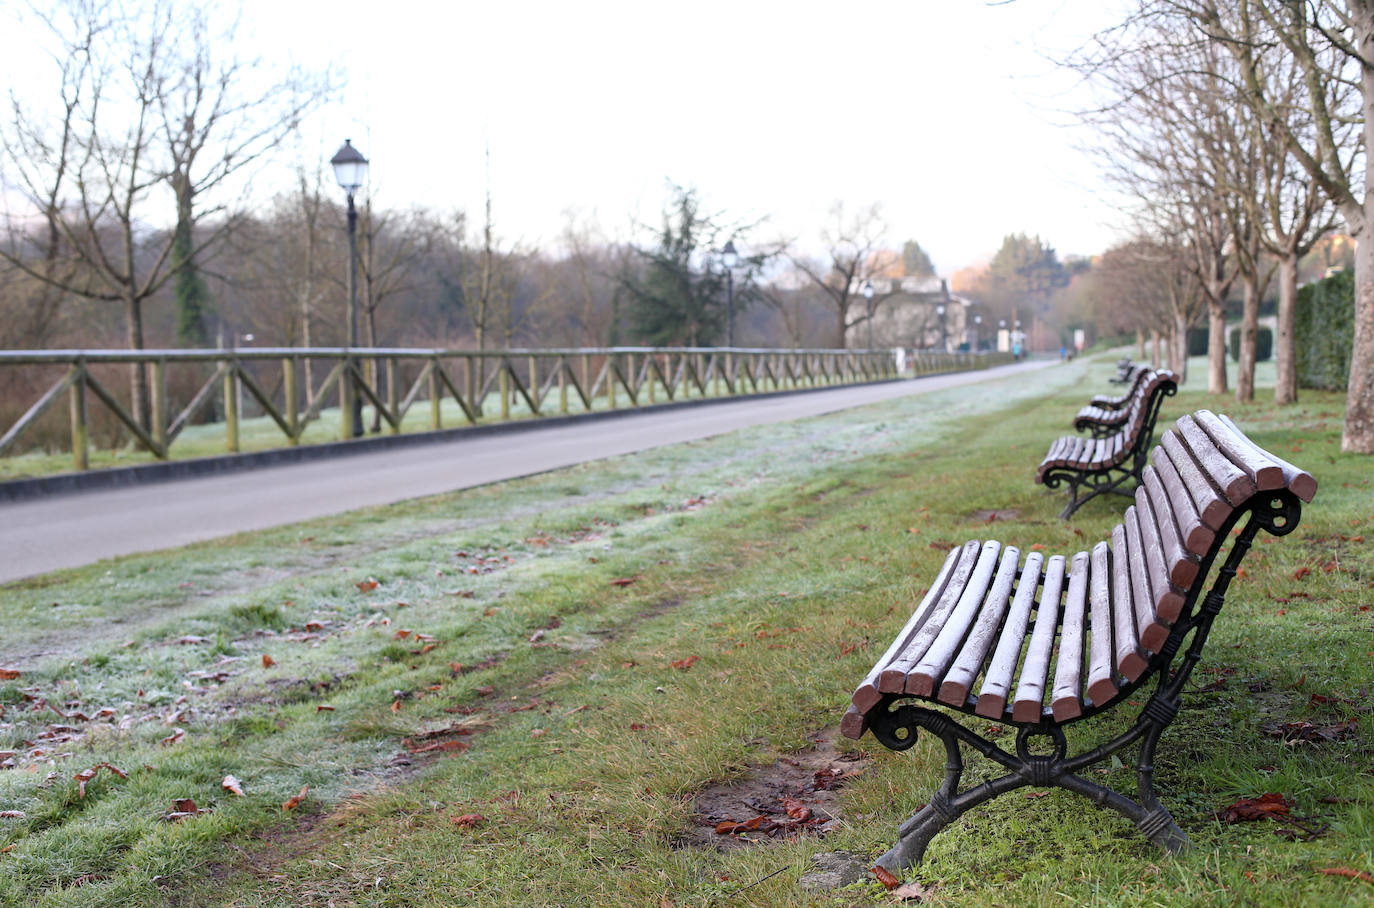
(350, 167)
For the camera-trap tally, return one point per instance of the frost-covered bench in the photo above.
(1037, 642)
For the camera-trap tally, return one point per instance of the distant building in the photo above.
(921, 314)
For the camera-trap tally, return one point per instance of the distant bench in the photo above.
(1042, 642)
(1105, 461)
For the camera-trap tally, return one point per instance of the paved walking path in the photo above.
(43, 535)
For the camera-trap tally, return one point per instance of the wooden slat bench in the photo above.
(1104, 415)
(1100, 464)
(1038, 642)
(1123, 371)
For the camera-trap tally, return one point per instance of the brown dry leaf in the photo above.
(185, 805)
(887, 879)
(624, 581)
(176, 735)
(395, 706)
(86, 775)
(268, 661)
(323, 708)
(296, 800)
(796, 809)
(910, 892)
(401, 634)
(728, 827)
(468, 820)
(9, 674)
(1301, 573)
(232, 785)
(684, 664)
(442, 747)
(367, 585)
(1266, 806)
(1362, 875)
(12, 815)
(314, 626)
(1036, 794)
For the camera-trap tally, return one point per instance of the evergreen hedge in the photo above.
(1324, 332)
(1264, 344)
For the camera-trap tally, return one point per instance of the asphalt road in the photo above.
(38, 536)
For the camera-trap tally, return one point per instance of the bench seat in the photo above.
(1132, 380)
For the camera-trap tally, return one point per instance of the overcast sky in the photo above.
(948, 112)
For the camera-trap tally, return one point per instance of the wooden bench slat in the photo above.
(1028, 705)
(867, 693)
(1226, 476)
(958, 679)
(1150, 632)
(1211, 506)
(1183, 567)
(854, 723)
(1263, 472)
(1300, 482)
(992, 696)
(1168, 601)
(1066, 696)
(1101, 684)
(1130, 662)
(892, 679)
(1195, 535)
(922, 679)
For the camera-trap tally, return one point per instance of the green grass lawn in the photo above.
(575, 657)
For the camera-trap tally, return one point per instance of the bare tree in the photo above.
(853, 243)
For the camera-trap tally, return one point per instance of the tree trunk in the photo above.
(1140, 344)
(142, 406)
(1285, 354)
(1216, 346)
(1155, 337)
(1178, 353)
(841, 338)
(1249, 331)
(1358, 435)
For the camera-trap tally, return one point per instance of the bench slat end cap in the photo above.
(1153, 637)
(953, 693)
(1133, 666)
(1066, 708)
(1027, 711)
(853, 724)
(991, 706)
(1102, 691)
(920, 684)
(892, 681)
(865, 697)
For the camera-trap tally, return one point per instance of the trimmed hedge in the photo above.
(1197, 341)
(1264, 344)
(1324, 332)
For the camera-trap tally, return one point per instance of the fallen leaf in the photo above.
(86, 775)
(401, 634)
(796, 809)
(323, 708)
(910, 892)
(468, 820)
(176, 735)
(367, 585)
(314, 626)
(1266, 806)
(1362, 875)
(684, 664)
(729, 827)
(1301, 573)
(9, 674)
(268, 661)
(232, 785)
(888, 880)
(295, 800)
(12, 815)
(185, 805)
(395, 706)
(624, 581)
(190, 640)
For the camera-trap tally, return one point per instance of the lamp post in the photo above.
(729, 258)
(944, 344)
(868, 305)
(977, 333)
(350, 169)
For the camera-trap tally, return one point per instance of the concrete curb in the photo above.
(168, 471)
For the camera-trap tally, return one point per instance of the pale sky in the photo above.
(945, 111)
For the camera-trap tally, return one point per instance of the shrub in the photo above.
(1324, 332)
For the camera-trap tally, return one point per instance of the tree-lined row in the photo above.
(1237, 133)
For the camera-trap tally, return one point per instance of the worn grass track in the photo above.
(769, 565)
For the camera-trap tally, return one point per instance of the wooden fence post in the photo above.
(81, 456)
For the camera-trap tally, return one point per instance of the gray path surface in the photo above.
(67, 531)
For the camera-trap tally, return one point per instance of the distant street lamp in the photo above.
(868, 305)
(940, 311)
(729, 258)
(350, 169)
(977, 333)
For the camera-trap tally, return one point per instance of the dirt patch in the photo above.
(995, 514)
(797, 795)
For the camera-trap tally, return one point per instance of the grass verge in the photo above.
(572, 658)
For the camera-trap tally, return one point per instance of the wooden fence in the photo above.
(485, 385)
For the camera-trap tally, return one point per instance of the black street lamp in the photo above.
(977, 333)
(729, 258)
(868, 305)
(944, 344)
(350, 169)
